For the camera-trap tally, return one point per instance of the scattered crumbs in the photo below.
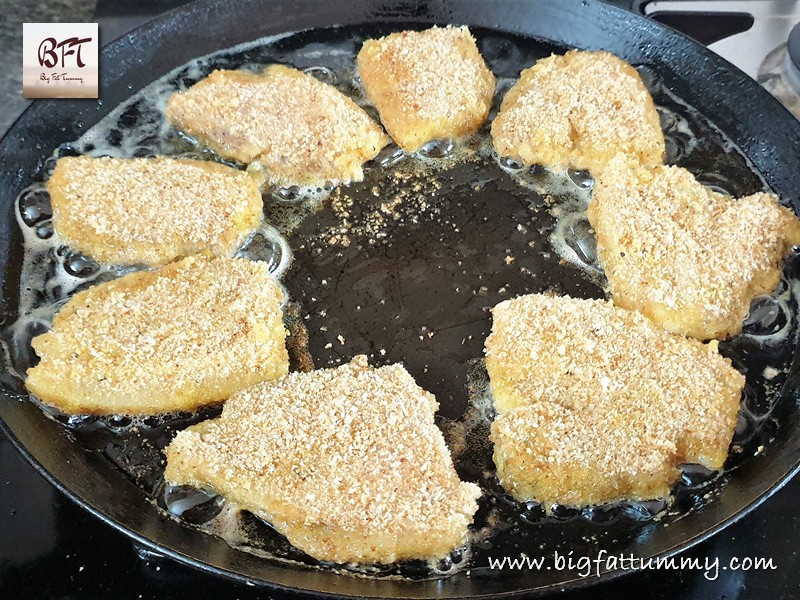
(406, 200)
(509, 259)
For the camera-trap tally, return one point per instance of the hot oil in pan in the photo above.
(404, 267)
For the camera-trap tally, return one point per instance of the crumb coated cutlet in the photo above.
(178, 338)
(578, 110)
(150, 211)
(427, 85)
(286, 123)
(597, 404)
(687, 257)
(347, 463)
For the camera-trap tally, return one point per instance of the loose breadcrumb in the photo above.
(579, 110)
(597, 404)
(687, 257)
(346, 462)
(427, 85)
(178, 338)
(152, 210)
(293, 127)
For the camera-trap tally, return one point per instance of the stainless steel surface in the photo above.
(773, 20)
(780, 77)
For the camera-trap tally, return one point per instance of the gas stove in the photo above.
(761, 37)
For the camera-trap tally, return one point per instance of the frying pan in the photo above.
(766, 134)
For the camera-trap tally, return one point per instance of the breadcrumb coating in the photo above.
(427, 85)
(578, 110)
(150, 211)
(347, 463)
(286, 123)
(178, 338)
(687, 257)
(597, 404)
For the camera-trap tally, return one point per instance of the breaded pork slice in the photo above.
(579, 110)
(597, 404)
(687, 257)
(151, 211)
(347, 463)
(187, 335)
(292, 126)
(427, 85)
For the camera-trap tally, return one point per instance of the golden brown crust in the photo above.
(292, 126)
(578, 110)
(427, 85)
(597, 404)
(687, 257)
(346, 462)
(152, 210)
(178, 338)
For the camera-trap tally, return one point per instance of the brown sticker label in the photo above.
(59, 60)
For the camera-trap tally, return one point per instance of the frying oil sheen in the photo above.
(557, 201)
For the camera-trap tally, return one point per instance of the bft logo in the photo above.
(59, 60)
(48, 57)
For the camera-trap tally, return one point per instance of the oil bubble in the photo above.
(324, 74)
(512, 164)
(582, 179)
(287, 194)
(78, 265)
(45, 230)
(192, 505)
(437, 149)
(389, 156)
(766, 317)
(579, 236)
(34, 206)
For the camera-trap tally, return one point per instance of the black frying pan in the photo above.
(763, 130)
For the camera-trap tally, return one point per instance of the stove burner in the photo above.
(780, 72)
